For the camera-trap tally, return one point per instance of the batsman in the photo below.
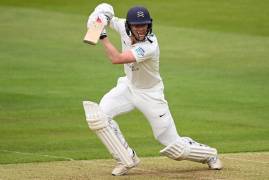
(141, 88)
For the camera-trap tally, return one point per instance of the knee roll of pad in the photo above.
(95, 118)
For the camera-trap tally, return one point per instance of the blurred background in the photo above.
(214, 63)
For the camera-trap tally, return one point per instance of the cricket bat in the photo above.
(94, 31)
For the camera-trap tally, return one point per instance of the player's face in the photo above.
(140, 31)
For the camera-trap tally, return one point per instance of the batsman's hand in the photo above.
(105, 9)
(97, 16)
(105, 13)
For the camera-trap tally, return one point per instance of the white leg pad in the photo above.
(98, 122)
(187, 149)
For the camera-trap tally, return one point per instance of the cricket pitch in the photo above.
(236, 166)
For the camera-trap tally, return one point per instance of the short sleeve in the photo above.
(144, 51)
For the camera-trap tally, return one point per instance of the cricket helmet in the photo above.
(138, 15)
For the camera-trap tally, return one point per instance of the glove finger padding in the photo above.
(105, 9)
(97, 17)
(104, 12)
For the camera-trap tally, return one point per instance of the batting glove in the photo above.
(105, 9)
(94, 16)
(103, 34)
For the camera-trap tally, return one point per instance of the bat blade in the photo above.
(94, 31)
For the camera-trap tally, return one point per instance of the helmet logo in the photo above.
(140, 14)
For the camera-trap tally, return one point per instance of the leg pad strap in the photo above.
(187, 149)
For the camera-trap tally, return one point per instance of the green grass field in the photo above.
(214, 63)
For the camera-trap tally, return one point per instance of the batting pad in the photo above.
(98, 122)
(188, 149)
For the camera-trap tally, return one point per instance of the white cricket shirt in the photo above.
(144, 73)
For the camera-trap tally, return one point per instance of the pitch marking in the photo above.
(35, 154)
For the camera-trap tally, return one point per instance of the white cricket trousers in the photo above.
(150, 102)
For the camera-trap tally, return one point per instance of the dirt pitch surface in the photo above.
(236, 166)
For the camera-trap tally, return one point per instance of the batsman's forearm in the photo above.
(112, 53)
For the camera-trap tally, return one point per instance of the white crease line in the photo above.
(239, 159)
(35, 154)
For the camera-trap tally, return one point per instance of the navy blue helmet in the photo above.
(138, 15)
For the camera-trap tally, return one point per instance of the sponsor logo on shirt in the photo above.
(132, 67)
(140, 52)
